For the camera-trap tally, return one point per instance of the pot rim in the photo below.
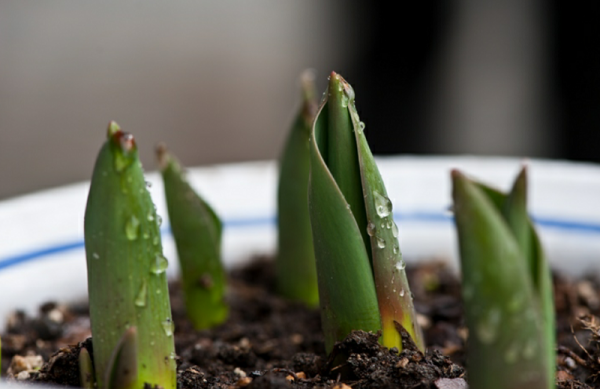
(43, 231)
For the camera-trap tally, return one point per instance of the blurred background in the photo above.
(217, 80)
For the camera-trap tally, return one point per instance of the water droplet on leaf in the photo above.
(361, 127)
(160, 264)
(383, 205)
(95, 256)
(394, 229)
(344, 100)
(168, 326)
(142, 295)
(371, 229)
(380, 242)
(400, 265)
(132, 228)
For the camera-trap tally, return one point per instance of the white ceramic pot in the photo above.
(42, 250)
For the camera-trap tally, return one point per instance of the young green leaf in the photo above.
(514, 209)
(86, 369)
(511, 341)
(295, 265)
(127, 283)
(122, 366)
(197, 232)
(353, 227)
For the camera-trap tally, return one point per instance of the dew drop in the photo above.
(148, 184)
(168, 326)
(388, 225)
(145, 235)
(400, 265)
(344, 100)
(402, 292)
(361, 127)
(383, 205)
(380, 242)
(142, 295)
(371, 228)
(150, 217)
(394, 229)
(132, 228)
(160, 264)
(155, 240)
(487, 328)
(396, 249)
(158, 220)
(95, 256)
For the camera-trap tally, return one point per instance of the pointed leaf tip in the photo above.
(113, 128)
(162, 155)
(309, 92)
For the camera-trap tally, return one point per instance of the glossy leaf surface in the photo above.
(353, 229)
(507, 346)
(197, 232)
(295, 265)
(127, 283)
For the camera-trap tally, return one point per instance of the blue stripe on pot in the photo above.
(425, 217)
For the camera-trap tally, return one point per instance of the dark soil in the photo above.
(271, 343)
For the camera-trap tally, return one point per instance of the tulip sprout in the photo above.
(86, 369)
(129, 300)
(197, 232)
(506, 288)
(295, 265)
(362, 282)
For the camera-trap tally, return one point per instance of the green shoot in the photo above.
(197, 232)
(507, 288)
(362, 282)
(86, 369)
(122, 371)
(295, 265)
(127, 283)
